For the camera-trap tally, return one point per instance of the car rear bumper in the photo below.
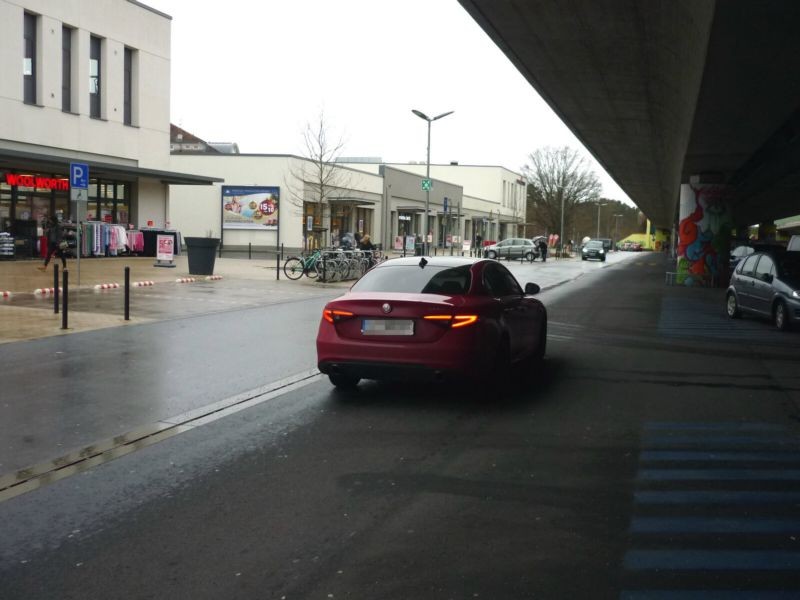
(393, 371)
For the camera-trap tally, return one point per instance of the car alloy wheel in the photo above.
(529, 257)
(781, 318)
(732, 306)
(491, 254)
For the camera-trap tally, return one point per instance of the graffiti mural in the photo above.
(703, 234)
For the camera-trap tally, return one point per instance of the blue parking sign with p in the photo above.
(79, 176)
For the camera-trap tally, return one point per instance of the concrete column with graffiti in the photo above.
(704, 233)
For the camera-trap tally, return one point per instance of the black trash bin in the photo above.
(202, 255)
(418, 249)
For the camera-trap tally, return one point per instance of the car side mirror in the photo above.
(531, 289)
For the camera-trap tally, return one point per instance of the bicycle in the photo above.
(297, 266)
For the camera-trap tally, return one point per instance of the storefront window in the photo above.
(107, 211)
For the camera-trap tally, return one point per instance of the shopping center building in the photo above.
(269, 200)
(84, 82)
(87, 82)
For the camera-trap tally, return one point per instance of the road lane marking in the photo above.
(675, 525)
(712, 560)
(721, 497)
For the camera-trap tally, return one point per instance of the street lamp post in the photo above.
(598, 218)
(430, 120)
(561, 231)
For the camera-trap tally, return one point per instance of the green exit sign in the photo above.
(427, 185)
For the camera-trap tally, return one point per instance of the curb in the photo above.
(36, 476)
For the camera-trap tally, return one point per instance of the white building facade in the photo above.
(84, 81)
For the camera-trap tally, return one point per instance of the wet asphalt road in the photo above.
(655, 451)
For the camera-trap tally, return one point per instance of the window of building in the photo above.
(66, 69)
(29, 59)
(94, 77)
(128, 87)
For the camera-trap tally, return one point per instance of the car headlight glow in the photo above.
(796, 294)
(601, 251)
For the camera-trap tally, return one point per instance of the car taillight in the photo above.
(336, 316)
(453, 321)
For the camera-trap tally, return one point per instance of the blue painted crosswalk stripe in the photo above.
(716, 426)
(721, 456)
(706, 441)
(712, 560)
(690, 497)
(710, 595)
(719, 474)
(674, 525)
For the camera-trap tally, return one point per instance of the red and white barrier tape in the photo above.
(143, 283)
(46, 291)
(5, 294)
(106, 286)
(185, 280)
(213, 277)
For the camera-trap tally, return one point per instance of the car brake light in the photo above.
(453, 320)
(335, 316)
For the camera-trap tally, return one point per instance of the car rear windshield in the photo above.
(412, 279)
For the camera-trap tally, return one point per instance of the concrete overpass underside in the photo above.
(660, 91)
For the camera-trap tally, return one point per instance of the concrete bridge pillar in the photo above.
(704, 234)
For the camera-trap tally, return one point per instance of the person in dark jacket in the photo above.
(366, 244)
(543, 249)
(55, 243)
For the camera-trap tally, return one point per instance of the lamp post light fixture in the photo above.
(598, 217)
(430, 120)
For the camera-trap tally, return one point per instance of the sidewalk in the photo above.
(27, 315)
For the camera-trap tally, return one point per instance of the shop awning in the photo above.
(23, 161)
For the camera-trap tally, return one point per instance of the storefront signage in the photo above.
(34, 181)
(250, 207)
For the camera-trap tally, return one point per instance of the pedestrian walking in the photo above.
(543, 249)
(56, 244)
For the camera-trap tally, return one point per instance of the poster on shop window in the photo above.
(250, 207)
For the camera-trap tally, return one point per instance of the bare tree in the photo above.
(317, 178)
(558, 179)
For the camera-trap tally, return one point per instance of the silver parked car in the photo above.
(513, 248)
(767, 284)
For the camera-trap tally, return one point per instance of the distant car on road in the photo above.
(435, 319)
(767, 284)
(513, 248)
(593, 249)
(608, 244)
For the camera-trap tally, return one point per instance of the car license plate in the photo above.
(387, 327)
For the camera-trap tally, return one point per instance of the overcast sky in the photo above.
(255, 72)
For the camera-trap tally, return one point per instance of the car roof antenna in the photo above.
(422, 262)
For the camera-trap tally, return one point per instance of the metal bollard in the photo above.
(127, 293)
(249, 250)
(55, 288)
(278, 267)
(65, 307)
(281, 250)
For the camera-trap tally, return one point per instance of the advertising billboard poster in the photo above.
(165, 247)
(250, 207)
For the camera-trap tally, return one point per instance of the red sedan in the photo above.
(433, 319)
